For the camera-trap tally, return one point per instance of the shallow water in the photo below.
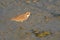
(10, 30)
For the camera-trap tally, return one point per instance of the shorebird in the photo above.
(21, 17)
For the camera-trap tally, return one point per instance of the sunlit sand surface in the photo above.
(21, 17)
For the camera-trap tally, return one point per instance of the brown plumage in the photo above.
(21, 18)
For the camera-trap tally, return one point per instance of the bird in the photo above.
(21, 17)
